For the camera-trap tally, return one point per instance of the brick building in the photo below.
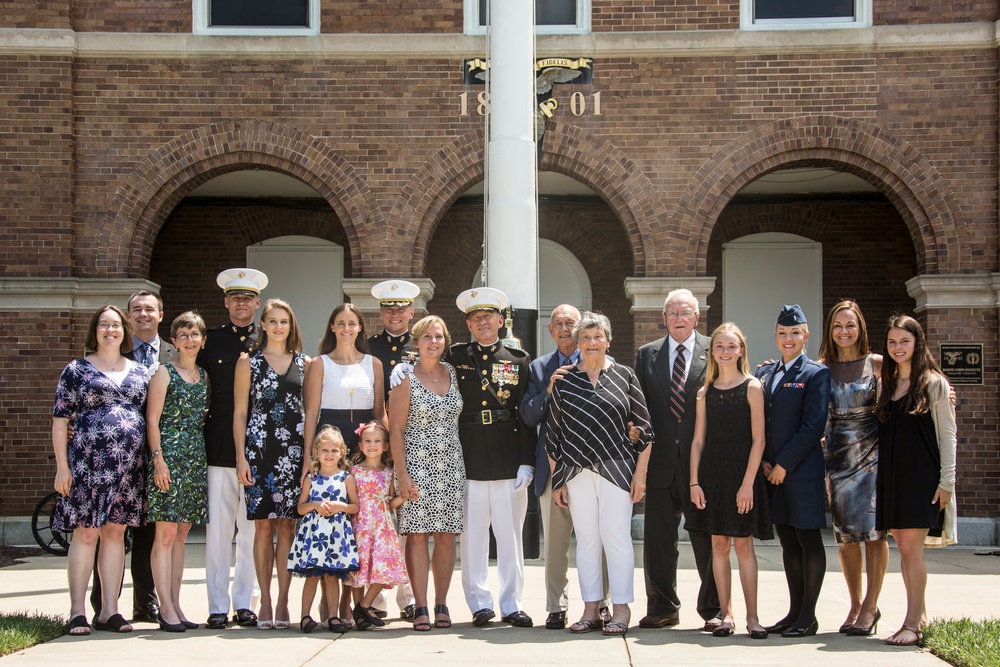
(158, 142)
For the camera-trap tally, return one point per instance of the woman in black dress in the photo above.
(916, 471)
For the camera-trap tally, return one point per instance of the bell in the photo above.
(511, 340)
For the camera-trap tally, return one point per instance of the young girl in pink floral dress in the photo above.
(380, 557)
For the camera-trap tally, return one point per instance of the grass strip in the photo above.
(21, 630)
(964, 642)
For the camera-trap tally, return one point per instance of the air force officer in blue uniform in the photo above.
(796, 404)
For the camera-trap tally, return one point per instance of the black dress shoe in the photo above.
(147, 615)
(653, 621)
(778, 627)
(245, 618)
(170, 627)
(758, 634)
(556, 621)
(482, 617)
(407, 612)
(518, 619)
(217, 622)
(807, 631)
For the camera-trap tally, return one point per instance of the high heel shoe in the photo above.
(170, 627)
(855, 631)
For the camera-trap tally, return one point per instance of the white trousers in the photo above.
(602, 518)
(227, 512)
(495, 503)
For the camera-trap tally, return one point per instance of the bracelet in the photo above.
(694, 485)
(155, 454)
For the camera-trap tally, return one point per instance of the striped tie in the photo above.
(677, 384)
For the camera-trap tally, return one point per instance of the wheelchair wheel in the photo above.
(52, 541)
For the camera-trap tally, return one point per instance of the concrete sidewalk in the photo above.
(960, 584)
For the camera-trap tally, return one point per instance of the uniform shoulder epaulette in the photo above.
(458, 346)
(517, 352)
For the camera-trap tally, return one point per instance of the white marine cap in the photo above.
(242, 281)
(482, 298)
(395, 293)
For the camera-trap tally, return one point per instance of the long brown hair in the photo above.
(329, 342)
(742, 365)
(828, 348)
(922, 365)
(293, 342)
(359, 456)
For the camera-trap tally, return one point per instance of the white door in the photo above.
(306, 272)
(763, 272)
(562, 279)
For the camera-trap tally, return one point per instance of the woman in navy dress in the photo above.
(268, 427)
(100, 472)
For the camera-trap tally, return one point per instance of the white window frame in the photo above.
(199, 15)
(862, 13)
(582, 26)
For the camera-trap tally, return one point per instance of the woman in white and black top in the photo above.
(597, 471)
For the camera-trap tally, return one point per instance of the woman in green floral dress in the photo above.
(178, 486)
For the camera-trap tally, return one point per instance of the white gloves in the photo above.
(398, 373)
(524, 476)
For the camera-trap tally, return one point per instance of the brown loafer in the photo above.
(651, 621)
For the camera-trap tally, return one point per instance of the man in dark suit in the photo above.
(796, 406)
(499, 453)
(145, 312)
(557, 524)
(670, 382)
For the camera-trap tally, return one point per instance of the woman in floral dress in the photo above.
(268, 429)
(100, 472)
(178, 471)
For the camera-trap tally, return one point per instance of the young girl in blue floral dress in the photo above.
(324, 546)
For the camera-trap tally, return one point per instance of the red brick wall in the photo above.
(393, 16)
(900, 12)
(54, 15)
(867, 254)
(34, 350)
(36, 206)
(132, 16)
(664, 15)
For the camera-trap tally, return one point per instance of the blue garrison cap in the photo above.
(791, 316)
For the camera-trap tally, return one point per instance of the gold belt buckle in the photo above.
(486, 416)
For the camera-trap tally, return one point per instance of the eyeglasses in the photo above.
(684, 315)
(191, 336)
(114, 326)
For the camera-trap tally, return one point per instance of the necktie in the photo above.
(778, 374)
(677, 384)
(146, 352)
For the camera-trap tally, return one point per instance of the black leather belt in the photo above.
(485, 417)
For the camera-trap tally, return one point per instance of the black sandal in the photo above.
(364, 618)
(78, 622)
(442, 609)
(334, 624)
(307, 624)
(116, 623)
(422, 626)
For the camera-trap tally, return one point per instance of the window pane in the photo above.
(259, 13)
(547, 12)
(803, 9)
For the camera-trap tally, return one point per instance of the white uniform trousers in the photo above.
(495, 503)
(602, 518)
(557, 528)
(227, 511)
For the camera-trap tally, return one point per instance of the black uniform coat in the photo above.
(390, 350)
(222, 350)
(492, 451)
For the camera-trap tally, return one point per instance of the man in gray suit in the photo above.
(671, 370)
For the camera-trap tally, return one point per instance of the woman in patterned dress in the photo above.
(178, 484)
(100, 471)
(851, 452)
(430, 469)
(268, 426)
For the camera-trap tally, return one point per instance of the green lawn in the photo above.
(965, 643)
(21, 630)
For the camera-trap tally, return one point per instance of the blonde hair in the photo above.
(742, 365)
(329, 434)
(425, 324)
